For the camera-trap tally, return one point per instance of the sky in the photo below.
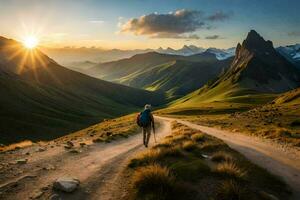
(139, 24)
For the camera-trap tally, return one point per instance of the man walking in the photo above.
(146, 121)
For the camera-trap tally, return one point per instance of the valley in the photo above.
(239, 113)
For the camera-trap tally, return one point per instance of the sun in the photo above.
(31, 42)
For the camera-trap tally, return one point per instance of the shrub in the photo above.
(153, 182)
(231, 190)
(221, 156)
(198, 137)
(231, 169)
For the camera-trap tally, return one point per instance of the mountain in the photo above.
(222, 54)
(291, 53)
(186, 50)
(176, 75)
(42, 100)
(68, 55)
(257, 69)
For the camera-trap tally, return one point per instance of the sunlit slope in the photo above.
(178, 77)
(173, 74)
(42, 100)
(256, 75)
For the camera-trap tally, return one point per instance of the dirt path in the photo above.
(277, 159)
(97, 167)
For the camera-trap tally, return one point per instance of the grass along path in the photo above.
(282, 162)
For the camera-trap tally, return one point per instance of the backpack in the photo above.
(144, 118)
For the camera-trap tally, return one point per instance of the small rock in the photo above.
(21, 161)
(55, 197)
(69, 143)
(41, 149)
(27, 153)
(66, 184)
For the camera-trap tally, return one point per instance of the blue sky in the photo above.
(101, 23)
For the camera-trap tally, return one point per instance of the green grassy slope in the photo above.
(43, 100)
(173, 74)
(178, 77)
(115, 70)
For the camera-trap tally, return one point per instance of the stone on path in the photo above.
(66, 184)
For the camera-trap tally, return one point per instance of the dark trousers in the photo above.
(146, 135)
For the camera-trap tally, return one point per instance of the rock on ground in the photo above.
(66, 184)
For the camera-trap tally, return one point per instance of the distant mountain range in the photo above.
(42, 100)
(256, 71)
(68, 56)
(292, 53)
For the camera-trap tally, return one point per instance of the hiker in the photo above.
(146, 121)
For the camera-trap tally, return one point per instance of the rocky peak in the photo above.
(256, 44)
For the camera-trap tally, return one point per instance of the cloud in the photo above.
(176, 36)
(212, 37)
(219, 16)
(181, 24)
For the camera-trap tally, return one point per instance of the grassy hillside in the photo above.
(177, 78)
(277, 120)
(43, 100)
(192, 165)
(173, 74)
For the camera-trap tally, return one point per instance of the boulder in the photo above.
(66, 184)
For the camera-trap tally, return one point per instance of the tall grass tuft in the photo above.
(232, 190)
(154, 182)
(231, 169)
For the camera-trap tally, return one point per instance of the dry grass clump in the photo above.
(231, 169)
(154, 155)
(198, 137)
(222, 156)
(232, 190)
(153, 182)
(189, 145)
(145, 158)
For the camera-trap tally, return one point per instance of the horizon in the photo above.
(143, 25)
